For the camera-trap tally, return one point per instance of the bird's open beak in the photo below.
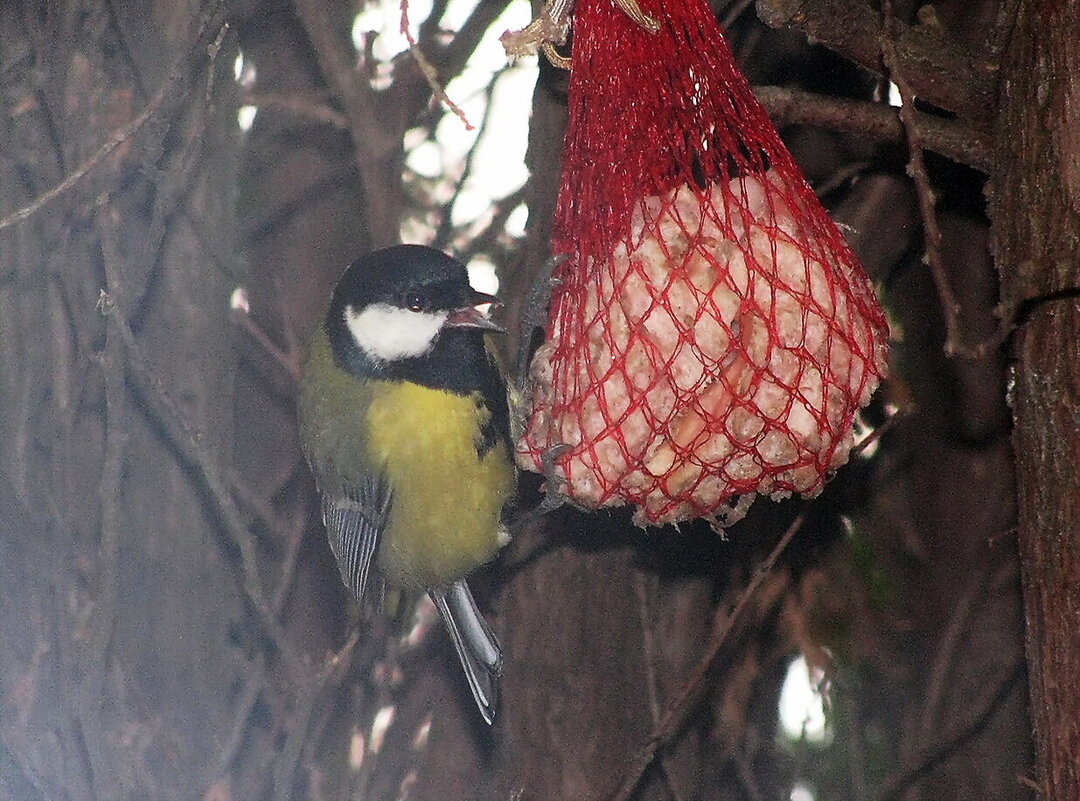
(472, 317)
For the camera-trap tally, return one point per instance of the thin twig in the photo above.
(429, 28)
(290, 532)
(732, 13)
(289, 754)
(298, 105)
(293, 531)
(745, 771)
(245, 705)
(167, 93)
(487, 239)
(648, 647)
(933, 755)
(374, 754)
(176, 170)
(96, 660)
(943, 71)
(114, 141)
(452, 60)
(116, 428)
(372, 141)
(427, 69)
(950, 307)
(979, 586)
(288, 362)
(879, 431)
(260, 506)
(442, 234)
(280, 529)
(695, 687)
(176, 180)
(288, 330)
(842, 176)
(855, 733)
(357, 96)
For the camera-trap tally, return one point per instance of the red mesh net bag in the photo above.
(710, 334)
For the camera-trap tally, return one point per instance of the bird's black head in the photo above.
(394, 305)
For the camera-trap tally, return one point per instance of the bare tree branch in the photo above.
(297, 104)
(453, 59)
(92, 688)
(941, 72)
(958, 142)
(291, 751)
(950, 306)
(373, 143)
(443, 232)
(114, 141)
(171, 92)
(644, 594)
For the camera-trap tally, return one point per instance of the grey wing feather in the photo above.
(354, 521)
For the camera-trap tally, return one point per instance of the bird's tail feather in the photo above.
(474, 642)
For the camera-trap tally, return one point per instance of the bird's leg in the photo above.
(534, 315)
(555, 494)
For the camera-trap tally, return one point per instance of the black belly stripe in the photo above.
(489, 432)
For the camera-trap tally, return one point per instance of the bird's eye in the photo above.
(414, 301)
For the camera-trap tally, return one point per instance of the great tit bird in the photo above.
(405, 423)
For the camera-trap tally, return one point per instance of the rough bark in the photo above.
(1036, 210)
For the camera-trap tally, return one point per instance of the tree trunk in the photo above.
(1036, 198)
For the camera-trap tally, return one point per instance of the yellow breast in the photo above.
(447, 501)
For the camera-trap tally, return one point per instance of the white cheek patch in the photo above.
(387, 333)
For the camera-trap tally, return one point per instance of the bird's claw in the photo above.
(534, 316)
(555, 495)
